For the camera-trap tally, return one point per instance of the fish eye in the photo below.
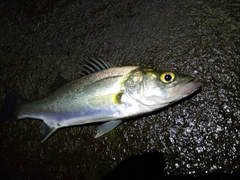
(167, 77)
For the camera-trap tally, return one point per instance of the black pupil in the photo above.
(168, 77)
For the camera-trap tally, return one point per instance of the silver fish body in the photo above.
(110, 95)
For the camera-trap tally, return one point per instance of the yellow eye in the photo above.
(167, 77)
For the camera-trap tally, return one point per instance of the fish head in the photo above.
(155, 89)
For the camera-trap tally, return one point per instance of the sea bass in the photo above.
(104, 94)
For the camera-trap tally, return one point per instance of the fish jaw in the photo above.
(190, 88)
(182, 90)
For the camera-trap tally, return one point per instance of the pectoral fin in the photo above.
(105, 100)
(106, 127)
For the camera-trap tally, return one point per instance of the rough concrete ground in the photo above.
(200, 135)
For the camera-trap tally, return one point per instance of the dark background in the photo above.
(199, 136)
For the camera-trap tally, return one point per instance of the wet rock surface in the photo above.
(200, 135)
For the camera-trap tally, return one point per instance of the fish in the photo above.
(105, 94)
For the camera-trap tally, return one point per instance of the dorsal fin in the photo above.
(58, 82)
(93, 65)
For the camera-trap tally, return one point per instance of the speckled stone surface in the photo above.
(197, 136)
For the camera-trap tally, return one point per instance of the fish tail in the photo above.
(11, 101)
(11, 107)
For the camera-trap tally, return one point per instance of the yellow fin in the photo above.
(106, 100)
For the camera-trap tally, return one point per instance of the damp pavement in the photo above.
(195, 137)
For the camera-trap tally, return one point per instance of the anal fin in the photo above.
(46, 131)
(106, 127)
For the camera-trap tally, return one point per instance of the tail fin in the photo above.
(9, 108)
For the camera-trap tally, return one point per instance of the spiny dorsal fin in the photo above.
(93, 65)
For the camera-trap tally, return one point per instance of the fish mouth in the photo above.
(183, 89)
(188, 87)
